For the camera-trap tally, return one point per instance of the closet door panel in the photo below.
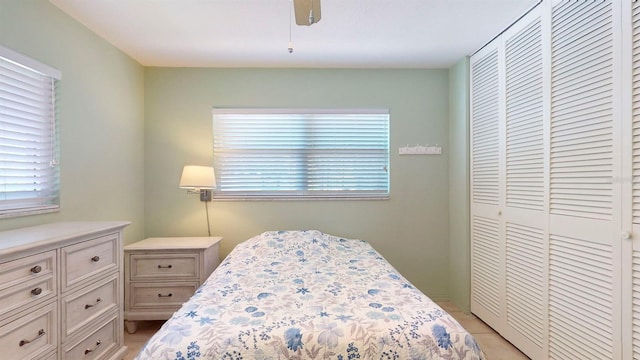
(582, 117)
(526, 292)
(584, 273)
(582, 309)
(635, 171)
(486, 268)
(485, 107)
(524, 119)
(525, 187)
(487, 247)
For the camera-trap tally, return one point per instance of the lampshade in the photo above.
(198, 177)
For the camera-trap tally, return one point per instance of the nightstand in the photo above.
(162, 273)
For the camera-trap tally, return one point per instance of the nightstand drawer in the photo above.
(88, 259)
(84, 306)
(165, 295)
(30, 336)
(163, 266)
(95, 345)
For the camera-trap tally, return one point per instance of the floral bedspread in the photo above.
(309, 295)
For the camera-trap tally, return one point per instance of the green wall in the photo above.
(101, 110)
(410, 230)
(459, 240)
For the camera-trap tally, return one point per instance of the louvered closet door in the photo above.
(585, 204)
(525, 214)
(635, 171)
(487, 248)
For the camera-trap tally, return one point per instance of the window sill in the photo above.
(27, 212)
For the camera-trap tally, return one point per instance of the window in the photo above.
(301, 154)
(29, 175)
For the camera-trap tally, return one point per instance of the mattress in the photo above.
(309, 295)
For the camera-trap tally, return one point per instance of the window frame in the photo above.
(306, 193)
(40, 203)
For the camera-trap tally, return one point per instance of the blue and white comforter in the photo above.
(309, 295)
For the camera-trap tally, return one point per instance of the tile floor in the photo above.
(493, 345)
(135, 341)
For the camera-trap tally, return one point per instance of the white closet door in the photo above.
(585, 204)
(635, 171)
(487, 248)
(526, 217)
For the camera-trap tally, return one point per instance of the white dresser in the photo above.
(163, 273)
(61, 291)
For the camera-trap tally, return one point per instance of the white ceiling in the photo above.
(255, 33)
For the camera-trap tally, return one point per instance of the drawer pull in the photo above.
(95, 258)
(36, 269)
(41, 333)
(98, 301)
(36, 291)
(165, 296)
(165, 266)
(89, 351)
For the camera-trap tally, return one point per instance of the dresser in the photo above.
(61, 291)
(164, 272)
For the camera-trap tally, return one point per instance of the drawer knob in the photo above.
(24, 342)
(36, 269)
(98, 301)
(165, 296)
(95, 258)
(165, 266)
(36, 291)
(88, 351)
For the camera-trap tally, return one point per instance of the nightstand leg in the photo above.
(131, 326)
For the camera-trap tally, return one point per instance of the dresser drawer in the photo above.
(161, 266)
(53, 356)
(83, 261)
(97, 344)
(31, 335)
(24, 294)
(19, 277)
(83, 307)
(165, 295)
(27, 268)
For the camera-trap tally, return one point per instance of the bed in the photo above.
(309, 295)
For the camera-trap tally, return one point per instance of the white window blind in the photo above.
(293, 153)
(29, 175)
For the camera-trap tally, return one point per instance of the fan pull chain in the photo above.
(290, 48)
